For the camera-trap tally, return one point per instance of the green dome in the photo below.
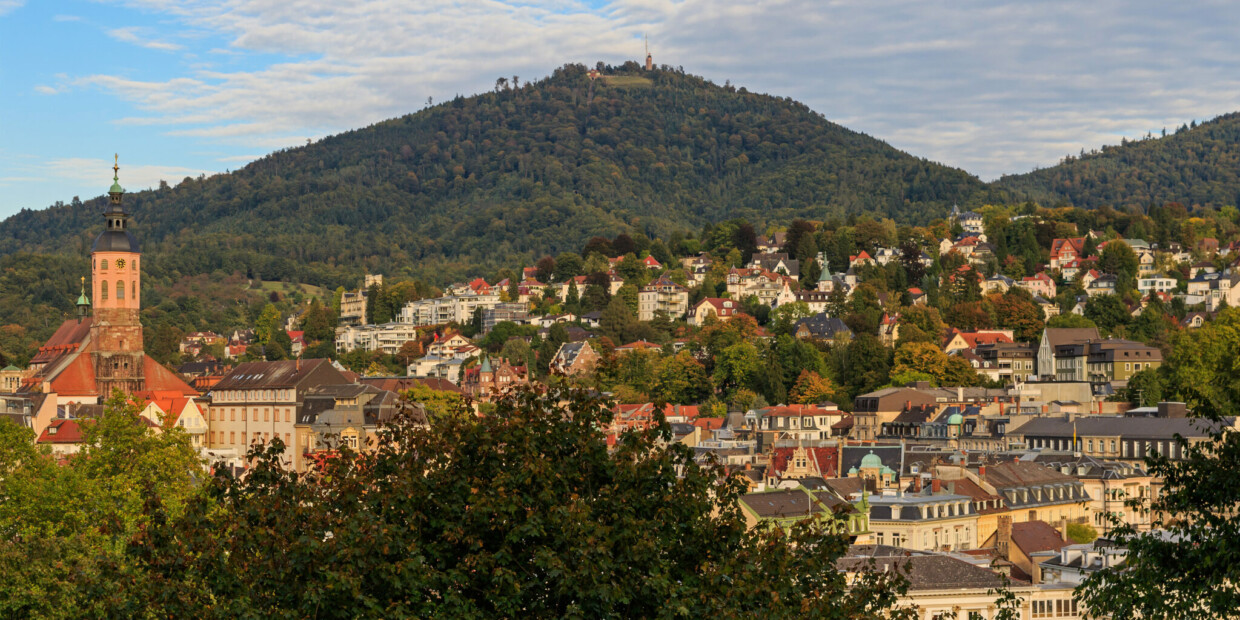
(116, 187)
(871, 460)
(887, 471)
(956, 419)
(852, 471)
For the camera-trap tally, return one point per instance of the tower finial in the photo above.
(116, 190)
(83, 303)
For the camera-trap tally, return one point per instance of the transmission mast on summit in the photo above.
(649, 58)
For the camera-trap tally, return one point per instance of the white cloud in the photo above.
(44, 89)
(8, 6)
(88, 171)
(990, 87)
(133, 35)
(66, 18)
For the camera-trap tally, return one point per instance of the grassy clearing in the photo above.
(286, 287)
(626, 81)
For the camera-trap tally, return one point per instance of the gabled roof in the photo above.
(67, 338)
(825, 460)
(61, 432)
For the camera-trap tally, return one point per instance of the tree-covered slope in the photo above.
(1194, 166)
(522, 171)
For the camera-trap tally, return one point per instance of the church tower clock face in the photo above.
(120, 263)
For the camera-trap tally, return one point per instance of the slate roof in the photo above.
(277, 374)
(923, 571)
(791, 503)
(823, 326)
(1162, 428)
(891, 456)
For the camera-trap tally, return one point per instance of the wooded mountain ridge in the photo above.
(538, 168)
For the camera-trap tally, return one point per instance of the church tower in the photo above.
(116, 331)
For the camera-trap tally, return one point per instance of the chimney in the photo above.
(960, 394)
(1003, 538)
(1063, 529)
(981, 472)
(936, 485)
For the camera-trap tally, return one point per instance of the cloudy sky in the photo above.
(184, 87)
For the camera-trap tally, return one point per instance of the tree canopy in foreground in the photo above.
(522, 513)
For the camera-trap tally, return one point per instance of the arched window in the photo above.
(103, 264)
(133, 289)
(120, 289)
(133, 266)
(103, 287)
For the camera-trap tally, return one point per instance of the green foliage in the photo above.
(1187, 570)
(1069, 319)
(61, 523)
(522, 513)
(1107, 312)
(520, 172)
(1082, 533)
(1198, 166)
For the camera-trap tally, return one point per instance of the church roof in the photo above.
(67, 338)
(115, 241)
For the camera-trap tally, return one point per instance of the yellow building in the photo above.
(1023, 490)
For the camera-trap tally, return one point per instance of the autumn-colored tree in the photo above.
(409, 351)
(1015, 310)
(811, 388)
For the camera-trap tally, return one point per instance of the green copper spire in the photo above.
(116, 190)
(486, 364)
(83, 302)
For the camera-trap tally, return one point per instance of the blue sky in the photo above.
(187, 87)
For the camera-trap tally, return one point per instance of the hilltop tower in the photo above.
(649, 58)
(116, 330)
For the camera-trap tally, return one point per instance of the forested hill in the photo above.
(523, 171)
(1197, 165)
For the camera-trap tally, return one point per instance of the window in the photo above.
(103, 264)
(1112, 446)
(1041, 609)
(120, 289)
(287, 414)
(103, 289)
(233, 414)
(232, 436)
(133, 289)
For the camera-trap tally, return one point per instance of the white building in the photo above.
(442, 310)
(387, 337)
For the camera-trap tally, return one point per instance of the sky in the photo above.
(187, 87)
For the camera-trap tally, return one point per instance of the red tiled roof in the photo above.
(67, 338)
(1035, 536)
(159, 378)
(1077, 244)
(826, 460)
(61, 431)
(799, 410)
(710, 424)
